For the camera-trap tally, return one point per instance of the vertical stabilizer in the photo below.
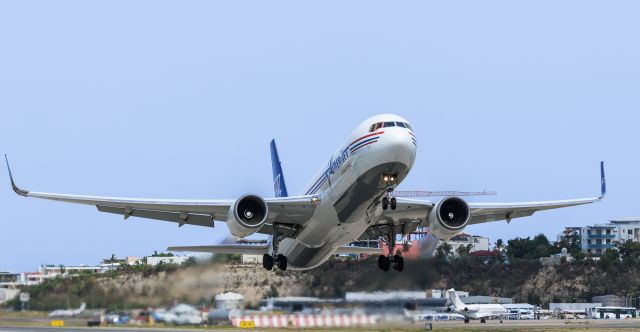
(455, 300)
(279, 187)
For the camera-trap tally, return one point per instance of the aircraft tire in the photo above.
(398, 263)
(281, 261)
(267, 262)
(393, 203)
(384, 263)
(385, 203)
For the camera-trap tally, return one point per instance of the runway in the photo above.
(509, 325)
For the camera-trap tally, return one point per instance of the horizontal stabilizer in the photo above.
(346, 250)
(226, 249)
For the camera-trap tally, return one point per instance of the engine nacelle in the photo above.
(247, 215)
(449, 217)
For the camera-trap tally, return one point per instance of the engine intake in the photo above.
(449, 217)
(247, 215)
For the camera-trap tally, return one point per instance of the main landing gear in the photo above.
(279, 260)
(387, 233)
(396, 261)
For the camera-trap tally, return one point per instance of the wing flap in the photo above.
(225, 249)
(177, 217)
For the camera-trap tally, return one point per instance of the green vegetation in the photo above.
(514, 271)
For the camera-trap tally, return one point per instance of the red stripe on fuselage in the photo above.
(365, 144)
(365, 136)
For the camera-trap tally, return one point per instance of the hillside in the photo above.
(524, 280)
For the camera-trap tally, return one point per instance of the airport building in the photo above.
(393, 302)
(597, 238)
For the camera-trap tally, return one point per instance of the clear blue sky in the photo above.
(180, 100)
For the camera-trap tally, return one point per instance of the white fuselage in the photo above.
(479, 311)
(351, 188)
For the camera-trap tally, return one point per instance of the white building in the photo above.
(153, 261)
(251, 259)
(597, 238)
(478, 243)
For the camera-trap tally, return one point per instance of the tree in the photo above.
(528, 248)
(499, 244)
(609, 257)
(443, 251)
(464, 250)
(629, 249)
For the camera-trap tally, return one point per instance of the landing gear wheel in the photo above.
(466, 320)
(267, 262)
(281, 262)
(383, 263)
(393, 203)
(398, 263)
(385, 203)
(483, 321)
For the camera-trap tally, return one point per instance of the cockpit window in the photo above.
(389, 124)
(375, 126)
(408, 126)
(401, 124)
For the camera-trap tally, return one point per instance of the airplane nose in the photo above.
(400, 146)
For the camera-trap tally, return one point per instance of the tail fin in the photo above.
(455, 300)
(279, 187)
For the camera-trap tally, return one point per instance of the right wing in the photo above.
(286, 210)
(412, 213)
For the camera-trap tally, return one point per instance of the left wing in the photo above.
(410, 210)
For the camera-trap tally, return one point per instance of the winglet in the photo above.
(18, 191)
(603, 181)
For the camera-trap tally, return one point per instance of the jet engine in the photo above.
(247, 215)
(449, 217)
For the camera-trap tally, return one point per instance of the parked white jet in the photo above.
(348, 199)
(68, 312)
(475, 311)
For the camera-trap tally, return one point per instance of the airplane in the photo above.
(475, 311)
(68, 312)
(350, 198)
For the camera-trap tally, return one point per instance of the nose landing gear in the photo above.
(389, 202)
(390, 180)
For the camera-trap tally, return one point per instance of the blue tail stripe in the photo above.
(603, 180)
(279, 187)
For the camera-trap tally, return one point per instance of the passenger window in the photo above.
(389, 124)
(401, 124)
